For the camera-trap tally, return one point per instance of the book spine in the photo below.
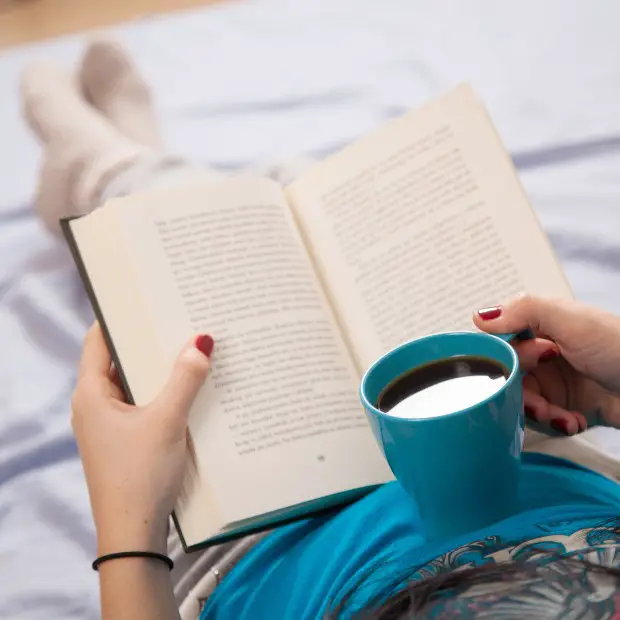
(67, 231)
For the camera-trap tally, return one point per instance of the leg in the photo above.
(90, 157)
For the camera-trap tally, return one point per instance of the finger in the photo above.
(116, 385)
(534, 351)
(524, 312)
(540, 410)
(113, 375)
(95, 361)
(530, 382)
(188, 375)
(582, 421)
(548, 380)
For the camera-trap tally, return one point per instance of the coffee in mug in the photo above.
(442, 387)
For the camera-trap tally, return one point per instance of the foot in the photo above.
(82, 149)
(112, 84)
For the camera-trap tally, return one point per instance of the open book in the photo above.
(402, 234)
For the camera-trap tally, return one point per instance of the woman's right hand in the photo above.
(573, 364)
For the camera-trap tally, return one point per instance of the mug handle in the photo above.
(526, 334)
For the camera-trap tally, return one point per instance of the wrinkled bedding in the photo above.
(244, 82)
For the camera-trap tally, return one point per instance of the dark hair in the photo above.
(408, 598)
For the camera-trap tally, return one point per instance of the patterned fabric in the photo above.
(558, 589)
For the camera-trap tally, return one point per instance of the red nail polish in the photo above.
(548, 355)
(530, 413)
(560, 425)
(488, 314)
(204, 343)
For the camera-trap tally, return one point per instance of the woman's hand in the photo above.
(573, 364)
(134, 457)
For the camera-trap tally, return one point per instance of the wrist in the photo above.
(122, 533)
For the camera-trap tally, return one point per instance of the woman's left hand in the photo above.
(134, 457)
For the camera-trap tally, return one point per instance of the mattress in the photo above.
(246, 82)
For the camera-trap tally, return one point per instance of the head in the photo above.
(582, 585)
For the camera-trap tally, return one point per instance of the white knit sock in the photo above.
(82, 149)
(112, 84)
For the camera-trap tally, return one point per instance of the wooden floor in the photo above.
(24, 21)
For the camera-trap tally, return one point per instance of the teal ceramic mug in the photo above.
(461, 469)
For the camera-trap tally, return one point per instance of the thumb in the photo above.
(541, 315)
(188, 376)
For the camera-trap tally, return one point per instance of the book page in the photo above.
(417, 225)
(278, 422)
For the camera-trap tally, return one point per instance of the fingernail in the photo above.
(548, 355)
(488, 314)
(530, 413)
(560, 425)
(204, 343)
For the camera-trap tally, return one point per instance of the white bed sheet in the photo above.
(246, 82)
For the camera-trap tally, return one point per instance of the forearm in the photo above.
(136, 589)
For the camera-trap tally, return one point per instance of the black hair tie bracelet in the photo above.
(134, 554)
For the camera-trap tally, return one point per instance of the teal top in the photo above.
(301, 570)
